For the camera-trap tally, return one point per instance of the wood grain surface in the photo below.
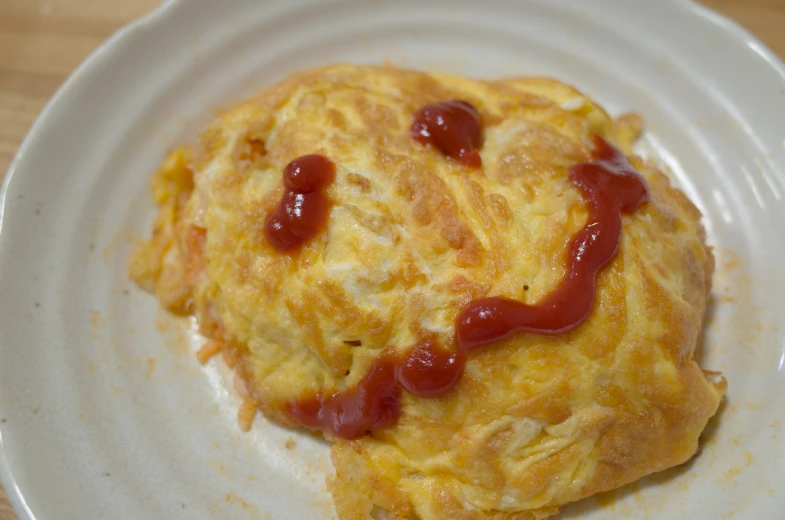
(42, 41)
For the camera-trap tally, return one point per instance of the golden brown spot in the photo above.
(210, 325)
(416, 308)
(174, 179)
(244, 370)
(476, 196)
(246, 414)
(431, 201)
(208, 350)
(195, 260)
(376, 115)
(228, 357)
(348, 316)
(337, 361)
(157, 265)
(610, 394)
(539, 474)
(211, 142)
(250, 149)
(336, 118)
(552, 406)
(626, 130)
(378, 221)
(539, 154)
(500, 207)
(356, 487)
(468, 290)
(358, 180)
(523, 100)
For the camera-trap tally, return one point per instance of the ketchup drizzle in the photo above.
(374, 403)
(453, 127)
(304, 206)
(611, 186)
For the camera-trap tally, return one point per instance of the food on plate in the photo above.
(473, 288)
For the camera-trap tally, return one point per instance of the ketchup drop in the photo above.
(453, 127)
(611, 187)
(304, 206)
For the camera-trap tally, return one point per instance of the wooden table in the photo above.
(41, 41)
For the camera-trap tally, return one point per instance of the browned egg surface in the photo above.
(411, 236)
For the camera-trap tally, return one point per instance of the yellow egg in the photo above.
(412, 237)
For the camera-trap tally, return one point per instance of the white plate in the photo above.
(102, 418)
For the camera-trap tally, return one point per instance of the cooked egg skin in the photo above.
(534, 422)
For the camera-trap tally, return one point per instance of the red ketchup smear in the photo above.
(453, 127)
(304, 207)
(426, 370)
(611, 186)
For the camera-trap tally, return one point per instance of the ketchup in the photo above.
(611, 187)
(304, 207)
(374, 403)
(427, 370)
(453, 127)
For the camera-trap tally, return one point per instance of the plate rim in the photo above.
(122, 37)
(112, 44)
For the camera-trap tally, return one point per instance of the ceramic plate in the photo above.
(104, 411)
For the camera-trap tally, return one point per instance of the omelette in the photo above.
(472, 288)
